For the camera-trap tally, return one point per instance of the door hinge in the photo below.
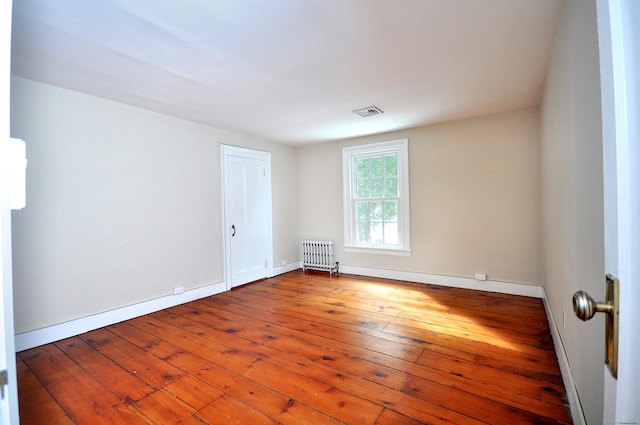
(265, 264)
(264, 172)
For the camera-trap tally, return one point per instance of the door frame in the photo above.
(619, 36)
(9, 412)
(8, 403)
(225, 152)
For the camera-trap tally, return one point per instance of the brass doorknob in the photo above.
(585, 307)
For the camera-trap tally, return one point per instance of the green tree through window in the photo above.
(376, 199)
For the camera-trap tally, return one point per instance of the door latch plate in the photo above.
(4, 380)
(611, 330)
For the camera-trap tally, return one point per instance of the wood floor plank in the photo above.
(338, 356)
(126, 386)
(544, 391)
(376, 393)
(482, 325)
(327, 399)
(418, 331)
(37, 405)
(343, 380)
(192, 420)
(226, 410)
(308, 348)
(440, 355)
(84, 399)
(282, 408)
(471, 404)
(342, 334)
(146, 341)
(495, 390)
(519, 361)
(163, 407)
(397, 324)
(389, 417)
(508, 354)
(327, 315)
(228, 357)
(194, 392)
(462, 348)
(296, 386)
(150, 369)
(366, 327)
(407, 328)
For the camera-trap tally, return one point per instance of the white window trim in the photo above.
(402, 148)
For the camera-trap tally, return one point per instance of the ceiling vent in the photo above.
(368, 111)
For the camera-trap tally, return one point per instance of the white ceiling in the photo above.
(293, 70)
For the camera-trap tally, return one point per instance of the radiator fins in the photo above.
(318, 255)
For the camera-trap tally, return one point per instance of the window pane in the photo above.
(390, 211)
(377, 188)
(362, 231)
(391, 233)
(375, 211)
(362, 168)
(376, 167)
(391, 165)
(362, 211)
(362, 189)
(376, 235)
(391, 187)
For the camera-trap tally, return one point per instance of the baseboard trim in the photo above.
(288, 268)
(38, 337)
(31, 339)
(575, 405)
(451, 281)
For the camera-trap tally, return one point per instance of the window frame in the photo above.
(401, 148)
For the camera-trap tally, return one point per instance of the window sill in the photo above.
(380, 251)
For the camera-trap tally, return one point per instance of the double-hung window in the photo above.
(376, 197)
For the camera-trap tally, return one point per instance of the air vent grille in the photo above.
(368, 111)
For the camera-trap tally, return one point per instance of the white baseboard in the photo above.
(451, 281)
(288, 268)
(563, 361)
(31, 339)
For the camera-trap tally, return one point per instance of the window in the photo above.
(376, 197)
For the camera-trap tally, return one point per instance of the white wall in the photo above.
(572, 195)
(123, 204)
(474, 198)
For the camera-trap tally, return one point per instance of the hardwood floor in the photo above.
(307, 348)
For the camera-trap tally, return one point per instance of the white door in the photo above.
(619, 39)
(247, 214)
(9, 396)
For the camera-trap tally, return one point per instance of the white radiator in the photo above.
(318, 255)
